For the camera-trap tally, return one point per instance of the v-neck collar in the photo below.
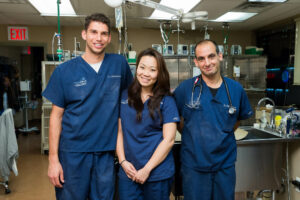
(210, 96)
(146, 102)
(90, 68)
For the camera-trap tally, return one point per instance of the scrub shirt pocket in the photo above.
(228, 120)
(112, 88)
(188, 109)
(77, 92)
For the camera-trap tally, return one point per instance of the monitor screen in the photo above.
(293, 96)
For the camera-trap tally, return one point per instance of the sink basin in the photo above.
(258, 134)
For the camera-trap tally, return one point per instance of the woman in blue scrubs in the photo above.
(147, 128)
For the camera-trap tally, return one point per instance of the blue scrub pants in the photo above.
(157, 190)
(87, 176)
(219, 185)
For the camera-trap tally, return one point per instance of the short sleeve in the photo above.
(179, 98)
(127, 75)
(54, 89)
(169, 110)
(123, 101)
(245, 107)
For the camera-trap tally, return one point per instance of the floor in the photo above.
(32, 182)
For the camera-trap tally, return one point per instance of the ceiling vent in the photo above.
(254, 7)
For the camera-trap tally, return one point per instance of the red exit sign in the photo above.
(17, 33)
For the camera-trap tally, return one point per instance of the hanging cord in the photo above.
(52, 49)
(163, 28)
(225, 27)
(206, 34)
(125, 50)
(120, 40)
(225, 33)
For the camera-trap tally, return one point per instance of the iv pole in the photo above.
(178, 31)
(59, 50)
(26, 106)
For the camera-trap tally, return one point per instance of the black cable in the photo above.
(296, 183)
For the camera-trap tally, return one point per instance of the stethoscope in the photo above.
(198, 82)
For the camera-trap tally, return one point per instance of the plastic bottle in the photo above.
(288, 126)
(277, 121)
(263, 120)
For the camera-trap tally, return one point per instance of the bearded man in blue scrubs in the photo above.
(85, 93)
(210, 106)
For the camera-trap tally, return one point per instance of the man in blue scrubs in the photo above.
(85, 93)
(211, 107)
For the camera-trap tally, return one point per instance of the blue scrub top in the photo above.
(142, 138)
(90, 101)
(208, 142)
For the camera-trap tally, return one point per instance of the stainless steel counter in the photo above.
(260, 161)
(264, 135)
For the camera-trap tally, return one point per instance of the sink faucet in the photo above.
(272, 120)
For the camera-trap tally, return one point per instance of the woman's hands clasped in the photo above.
(140, 176)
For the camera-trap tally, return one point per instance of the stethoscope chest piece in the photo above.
(231, 110)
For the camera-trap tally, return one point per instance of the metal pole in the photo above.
(58, 18)
(288, 171)
(59, 50)
(26, 112)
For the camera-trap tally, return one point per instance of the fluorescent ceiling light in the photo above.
(268, 1)
(49, 7)
(235, 17)
(186, 6)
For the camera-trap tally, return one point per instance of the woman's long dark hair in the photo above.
(159, 90)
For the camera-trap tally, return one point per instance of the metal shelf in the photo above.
(47, 70)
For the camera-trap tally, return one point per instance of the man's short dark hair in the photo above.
(207, 40)
(98, 17)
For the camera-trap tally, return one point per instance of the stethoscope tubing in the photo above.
(198, 82)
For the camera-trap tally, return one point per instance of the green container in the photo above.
(131, 60)
(250, 51)
(259, 52)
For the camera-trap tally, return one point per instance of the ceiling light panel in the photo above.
(186, 6)
(235, 17)
(268, 1)
(49, 7)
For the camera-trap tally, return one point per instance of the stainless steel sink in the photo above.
(260, 134)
